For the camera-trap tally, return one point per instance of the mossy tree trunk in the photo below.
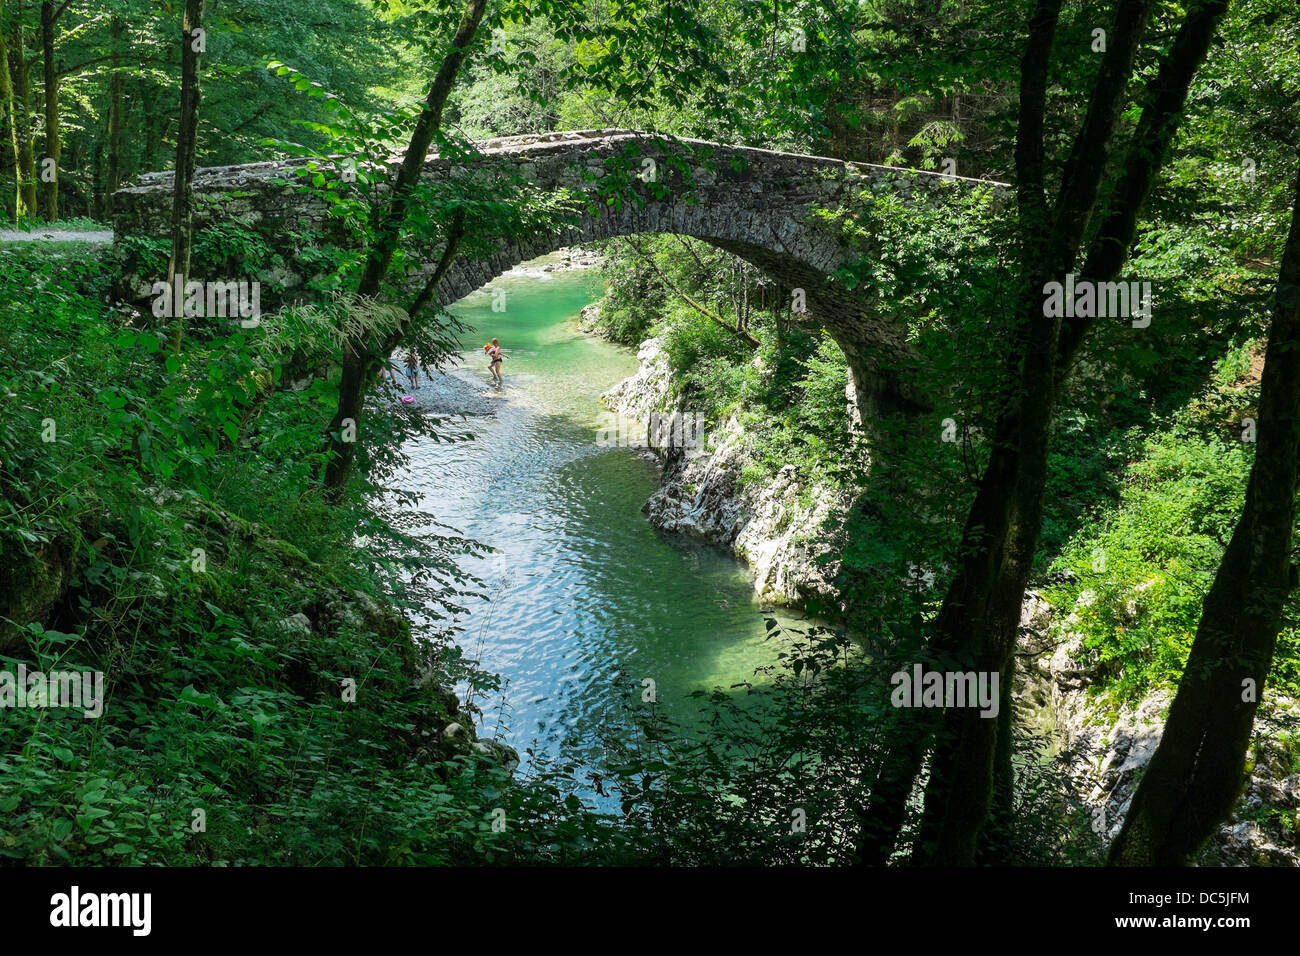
(8, 116)
(186, 148)
(25, 155)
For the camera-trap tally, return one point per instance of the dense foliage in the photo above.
(162, 515)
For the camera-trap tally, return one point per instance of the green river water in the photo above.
(585, 597)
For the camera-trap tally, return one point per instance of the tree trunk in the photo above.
(26, 171)
(963, 785)
(881, 820)
(1198, 771)
(359, 361)
(960, 792)
(186, 147)
(989, 514)
(113, 170)
(8, 117)
(53, 144)
(1002, 813)
(426, 296)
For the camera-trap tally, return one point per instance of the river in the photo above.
(585, 599)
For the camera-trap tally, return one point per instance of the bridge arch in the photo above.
(760, 205)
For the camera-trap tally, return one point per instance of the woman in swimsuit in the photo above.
(495, 355)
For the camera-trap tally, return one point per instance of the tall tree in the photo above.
(1198, 770)
(8, 116)
(192, 43)
(51, 13)
(113, 140)
(20, 80)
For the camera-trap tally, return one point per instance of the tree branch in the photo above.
(1032, 109)
(1090, 151)
(1165, 95)
(455, 233)
(380, 256)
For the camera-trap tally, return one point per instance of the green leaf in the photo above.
(192, 696)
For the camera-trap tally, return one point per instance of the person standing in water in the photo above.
(495, 355)
(412, 369)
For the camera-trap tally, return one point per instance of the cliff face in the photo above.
(774, 524)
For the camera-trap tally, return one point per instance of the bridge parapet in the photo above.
(577, 160)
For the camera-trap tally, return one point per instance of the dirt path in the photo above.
(55, 235)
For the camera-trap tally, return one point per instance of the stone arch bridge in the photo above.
(754, 203)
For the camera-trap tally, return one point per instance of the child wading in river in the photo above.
(495, 355)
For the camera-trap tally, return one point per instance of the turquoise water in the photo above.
(586, 598)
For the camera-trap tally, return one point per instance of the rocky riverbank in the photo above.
(564, 259)
(773, 523)
(1112, 743)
